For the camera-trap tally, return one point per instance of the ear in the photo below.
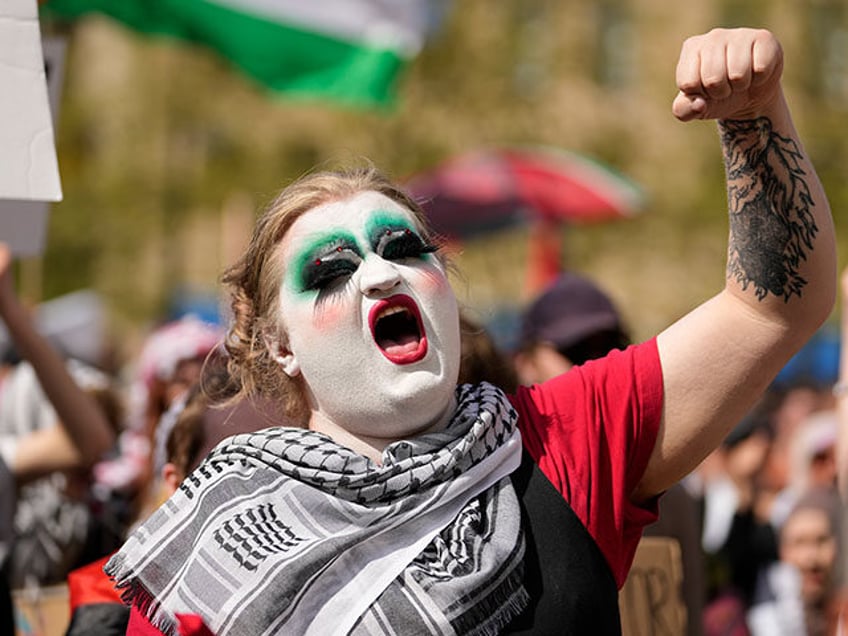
(285, 358)
(289, 363)
(171, 477)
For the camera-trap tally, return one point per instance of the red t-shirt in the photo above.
(591, 432)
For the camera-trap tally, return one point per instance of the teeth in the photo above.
(391, 311)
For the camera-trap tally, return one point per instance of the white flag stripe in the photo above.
(394, 24)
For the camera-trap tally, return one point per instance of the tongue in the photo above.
(400, 346)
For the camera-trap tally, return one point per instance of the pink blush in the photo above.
(434, 280)
(328, 316)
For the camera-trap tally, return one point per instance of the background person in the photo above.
(800, 594)
(738, 538)
(167, 365)
(57, 418)
(95, 604)
(481, 359)
(569, 323)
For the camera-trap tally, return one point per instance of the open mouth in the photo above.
(396, 327)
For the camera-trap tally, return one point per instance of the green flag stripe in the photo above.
(283, 58)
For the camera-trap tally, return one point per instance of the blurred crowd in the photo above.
(771, 518)
(759, 523)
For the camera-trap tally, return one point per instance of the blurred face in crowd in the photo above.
(807, 542)
(823, 468)
(745, 459)
(371, 319)
(186, 374)
(798, 404)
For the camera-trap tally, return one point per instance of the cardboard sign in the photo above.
(28, 166)
(42, 612)
(651, 600)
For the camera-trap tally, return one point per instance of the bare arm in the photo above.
(84, 421)
(780, 277)
(44, 451)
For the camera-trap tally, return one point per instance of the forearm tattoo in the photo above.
(771, 221)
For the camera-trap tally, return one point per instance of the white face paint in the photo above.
(371, 319)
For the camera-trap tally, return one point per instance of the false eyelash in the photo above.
(400, 244)
(323, 273)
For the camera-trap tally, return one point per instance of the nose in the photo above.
(377, 275)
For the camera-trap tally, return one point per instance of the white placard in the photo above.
(29, 169)
(23, 224)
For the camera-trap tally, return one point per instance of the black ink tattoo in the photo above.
(771, 221)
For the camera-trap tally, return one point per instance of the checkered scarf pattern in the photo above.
(285, 531)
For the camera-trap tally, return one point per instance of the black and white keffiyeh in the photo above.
(284, 531)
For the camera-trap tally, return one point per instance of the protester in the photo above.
(799, 593)
(207, 416)
(813, 459)
(405, 505)
(569, 323)
(7, 535)
(840, 395)
(167, 365)
(790, 406)
(59, 522)
(57, 418)
(481, 359)
(48, 425)
(738, 538)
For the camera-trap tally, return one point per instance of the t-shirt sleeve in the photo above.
(591, 431)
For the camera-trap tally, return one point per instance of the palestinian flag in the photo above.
(350, 51)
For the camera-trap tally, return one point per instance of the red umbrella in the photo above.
(487, 190)
(540, 187)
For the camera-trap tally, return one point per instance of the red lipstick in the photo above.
(397, 329)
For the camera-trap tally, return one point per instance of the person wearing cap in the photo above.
(570, 322)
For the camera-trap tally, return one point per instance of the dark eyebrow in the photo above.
(383, 222)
